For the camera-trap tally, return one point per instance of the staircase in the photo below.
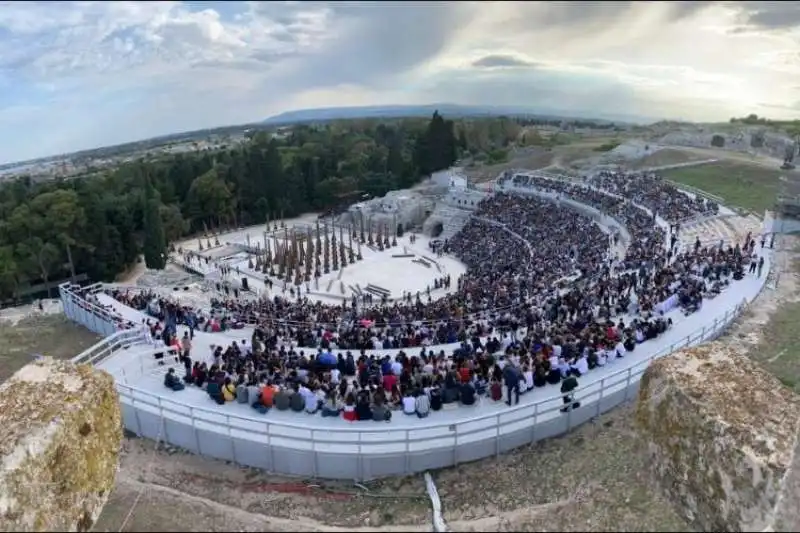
(454, 222)
(731, 230)
(451, 218)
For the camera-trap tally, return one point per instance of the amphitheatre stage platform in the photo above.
(383, 269)
(309, 445)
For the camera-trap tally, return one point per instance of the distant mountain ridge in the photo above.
(448, 110)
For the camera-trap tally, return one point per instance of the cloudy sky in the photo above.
(76, 75)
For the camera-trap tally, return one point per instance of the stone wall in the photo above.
(62, 432)
(722, 437)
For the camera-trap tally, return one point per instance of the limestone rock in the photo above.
(62, 431)
(722, 435)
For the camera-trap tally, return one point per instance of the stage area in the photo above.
(409, 267)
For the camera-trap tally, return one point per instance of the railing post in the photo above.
(139, 430)
(163, 420)
(230, 436)
(535, 421)
(360, 466)
(600, 400)
(314, 451)
(408, 453)
(569, 411)
(497, 435)
(271, 448)
(627, 384)
(195, 432)
(455, 444)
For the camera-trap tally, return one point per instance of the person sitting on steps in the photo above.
(171, 381)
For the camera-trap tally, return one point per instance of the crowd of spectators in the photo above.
(544, 301)
(650, 190)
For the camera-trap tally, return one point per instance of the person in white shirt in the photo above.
(580, 366)
(335, 376)
(563, 367)
(397, 368)
(556, 352)
(409, 404)
(528, 374)
(620, 349)
(601, 358)
(312, 403)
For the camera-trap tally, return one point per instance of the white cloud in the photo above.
(82, 74)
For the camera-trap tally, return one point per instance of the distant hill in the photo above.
(448, 110)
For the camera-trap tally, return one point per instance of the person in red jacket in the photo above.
(389, 381)
(349, 411)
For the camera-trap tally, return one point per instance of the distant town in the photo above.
(90, 162)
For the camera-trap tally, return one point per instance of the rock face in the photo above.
(62, 431)
(722, 436)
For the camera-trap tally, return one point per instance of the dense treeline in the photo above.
(99, 226)
(792, 127)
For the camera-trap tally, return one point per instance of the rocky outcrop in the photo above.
(62, 431)
(722, 436)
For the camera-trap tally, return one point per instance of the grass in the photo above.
(779, 353)
(750, 186)
(778, 348)
(53, 336)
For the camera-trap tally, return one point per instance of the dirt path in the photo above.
(135, 272)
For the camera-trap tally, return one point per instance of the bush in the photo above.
(718, 141)
(757, 140)
(607, 147)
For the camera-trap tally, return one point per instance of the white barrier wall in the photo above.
(80, 310)
(367, 450)
(363, 450)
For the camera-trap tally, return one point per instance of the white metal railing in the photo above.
(435, 436)
(110, 345)
(697, 192)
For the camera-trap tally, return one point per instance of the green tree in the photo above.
(210, 201)
(100, 224)
(173, 223)
(155, 244)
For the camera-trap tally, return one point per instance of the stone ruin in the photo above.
(750, 139)
(722, 438)
(62, 435)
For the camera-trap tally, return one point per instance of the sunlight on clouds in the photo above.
(79, 74)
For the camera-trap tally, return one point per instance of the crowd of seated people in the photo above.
(650, 190)
(368, 387)
(517, 328)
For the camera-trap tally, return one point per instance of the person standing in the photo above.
(186, 346)
(568, 387)
(511, 378)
